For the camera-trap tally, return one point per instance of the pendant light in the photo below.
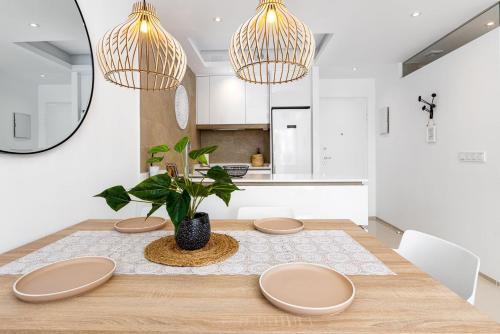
(273, 46)
(140, 54)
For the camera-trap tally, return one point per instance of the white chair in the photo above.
(256, 212)
(452, 265)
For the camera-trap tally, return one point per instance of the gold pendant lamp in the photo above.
(140, 54)
(273, 46)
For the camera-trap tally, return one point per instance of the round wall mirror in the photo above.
(46, 74)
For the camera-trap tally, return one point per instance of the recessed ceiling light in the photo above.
(218, 19)
(490, 24)
(34, 25)
(416, 14)
(42, 75)
(354, 69)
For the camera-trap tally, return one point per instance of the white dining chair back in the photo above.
(452, 265)
(259, 212)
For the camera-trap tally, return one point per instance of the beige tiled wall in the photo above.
(236, 146)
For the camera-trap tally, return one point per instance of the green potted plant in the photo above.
(153, 160)
(181, 195)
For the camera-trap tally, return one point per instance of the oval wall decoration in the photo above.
(181, 107)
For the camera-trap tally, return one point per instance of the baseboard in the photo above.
(379, 220)
(489, 279)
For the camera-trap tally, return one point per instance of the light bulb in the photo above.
(144, 26)
(271, 16)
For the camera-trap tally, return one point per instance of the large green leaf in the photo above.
(178, 206)
(154, 189)
(219, 174)
(159, 149)
(154, 160)
(181, 145)
(199, 155)
(116, 197)
(154, 208)
(194, 189)
(224, 191)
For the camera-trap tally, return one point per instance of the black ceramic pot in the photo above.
(193, 234)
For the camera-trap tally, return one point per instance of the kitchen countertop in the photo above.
(294, 179)
(283, 179)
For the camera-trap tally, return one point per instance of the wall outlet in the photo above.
(472, 157)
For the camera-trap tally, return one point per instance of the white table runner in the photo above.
(257, 253)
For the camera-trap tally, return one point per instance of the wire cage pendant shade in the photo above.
(140, 54)
(273, 46)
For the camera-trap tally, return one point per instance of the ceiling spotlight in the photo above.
(34, 25)
(416, 14)
(218, 19)
(490, 24)
(42, 75)
(354, 69)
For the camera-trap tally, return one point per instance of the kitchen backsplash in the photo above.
(236, 146)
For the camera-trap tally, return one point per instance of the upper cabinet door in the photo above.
(294, 94)
(202, 100)
(227, 100)
(257, 104)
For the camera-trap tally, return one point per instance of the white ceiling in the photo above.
(368, 34)
(59, 23)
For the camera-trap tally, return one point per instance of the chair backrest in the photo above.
(256, 212)
(452, 265)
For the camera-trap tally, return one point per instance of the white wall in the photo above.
(17, 96)
(354, 88)
(424, 186)
(43, 193)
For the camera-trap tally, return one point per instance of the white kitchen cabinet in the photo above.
(257, 104)
(203, 100)
(227, 100)
(294, 94)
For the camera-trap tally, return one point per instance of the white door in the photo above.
(292, 141)
(59, 122)
(344, 137)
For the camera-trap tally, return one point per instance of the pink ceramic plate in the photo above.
(307, 289)
(64, 279)
(278, 225)
(140, 224)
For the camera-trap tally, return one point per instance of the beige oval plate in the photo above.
(307, 289)
(140, 224)
(64, 279)
(279, 225)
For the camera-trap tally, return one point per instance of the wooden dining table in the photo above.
(408, 302)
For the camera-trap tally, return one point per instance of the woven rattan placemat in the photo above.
(165, 251)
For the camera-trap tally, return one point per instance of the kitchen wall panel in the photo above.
(158, 122)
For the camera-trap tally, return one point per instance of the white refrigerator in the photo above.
(292, 140)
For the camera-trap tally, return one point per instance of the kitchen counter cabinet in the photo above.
(310, 197)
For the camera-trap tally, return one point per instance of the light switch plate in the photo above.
(472, 157)
(431, 134)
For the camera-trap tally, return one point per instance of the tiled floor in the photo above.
(488, 293)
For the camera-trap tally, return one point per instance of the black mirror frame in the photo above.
(90, 98)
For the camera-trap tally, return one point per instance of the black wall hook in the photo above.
(429, 106)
